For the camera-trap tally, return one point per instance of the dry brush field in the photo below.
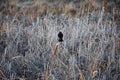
(91, 40)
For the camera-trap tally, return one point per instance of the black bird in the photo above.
(60, 36)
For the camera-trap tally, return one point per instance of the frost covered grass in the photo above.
(87, 47)
(90, 50)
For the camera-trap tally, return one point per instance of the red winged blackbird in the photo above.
(60, 36)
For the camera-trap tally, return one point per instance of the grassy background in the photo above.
(28, 35)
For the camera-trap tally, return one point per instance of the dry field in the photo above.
(91, 43)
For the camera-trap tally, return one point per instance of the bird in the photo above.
(60, 36)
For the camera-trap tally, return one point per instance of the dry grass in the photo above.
(28, 37)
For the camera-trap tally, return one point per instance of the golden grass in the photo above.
(2, 74)
(13, 3)
(54, 54)
(82, 77)
(47, 76)
(95, 73)
(68, 7)
(39, 8)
